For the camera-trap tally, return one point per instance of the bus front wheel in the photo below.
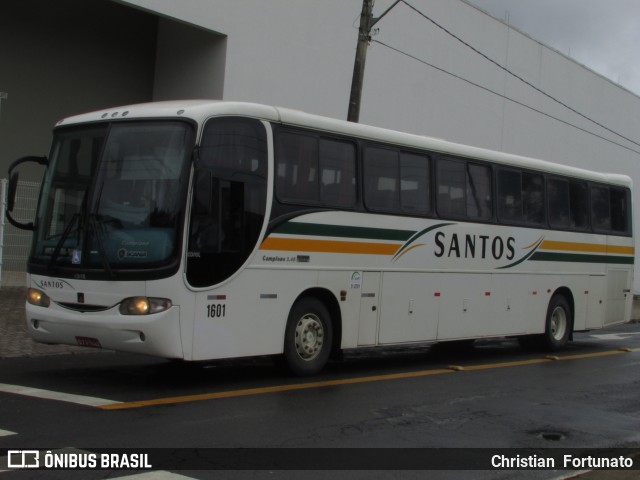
(558, 323)
(308, 337)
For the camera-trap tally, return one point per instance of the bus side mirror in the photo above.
(13, 189)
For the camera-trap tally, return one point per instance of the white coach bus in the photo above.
(205, 230)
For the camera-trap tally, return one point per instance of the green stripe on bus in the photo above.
(342, 231)
(580, 258)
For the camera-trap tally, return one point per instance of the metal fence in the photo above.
(15, 243)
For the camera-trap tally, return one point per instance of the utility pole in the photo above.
(364, 37)
(361, 55)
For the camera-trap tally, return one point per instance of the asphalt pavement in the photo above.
(15, 342)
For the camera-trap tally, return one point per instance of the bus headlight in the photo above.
(144, 305)
(38, 298)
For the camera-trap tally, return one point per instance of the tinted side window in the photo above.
(521, 197)
(229, 199)
(381, 190)
(509, 196)
(600, 208)
(619, 210)
(559, 210)
(451, 178)
(415, 191)
(533, 198)
(610, 209)
(479, 198)
(337, 173)
(567, 204)
(297, 167)
(579, 205)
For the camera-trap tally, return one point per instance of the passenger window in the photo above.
(579, 205)
(600, 208)
(619, 210)
(533, 198)
(559, 211)
(415, 195)
(479, 204)
(297, 168)
(509, 196)
(567, 204)
(451, 188)
(381, 190)
(610, 209)
(521, 197)
(337, 173)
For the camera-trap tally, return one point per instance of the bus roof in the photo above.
(200, 110)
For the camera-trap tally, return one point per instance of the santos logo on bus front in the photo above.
(52, 284)
(441, 245)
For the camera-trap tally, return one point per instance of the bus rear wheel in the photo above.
(558, 324)
(308, 337)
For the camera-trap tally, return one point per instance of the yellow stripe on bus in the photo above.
(586, 247)
(620, 249)
(328, 246)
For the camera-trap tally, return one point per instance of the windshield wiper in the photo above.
(93, 223)
(63, 238)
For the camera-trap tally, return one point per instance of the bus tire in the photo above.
(558, 324)
(308, 337)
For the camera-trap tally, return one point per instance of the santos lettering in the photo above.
(474, 246)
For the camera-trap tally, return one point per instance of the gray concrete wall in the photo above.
(190, 62)
(63, 57)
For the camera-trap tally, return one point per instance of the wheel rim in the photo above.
(309, 336)
(558, 326)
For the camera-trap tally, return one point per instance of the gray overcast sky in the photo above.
(604, 35)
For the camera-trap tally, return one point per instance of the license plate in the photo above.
(88, 342)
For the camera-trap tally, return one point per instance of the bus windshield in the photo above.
(113, 199)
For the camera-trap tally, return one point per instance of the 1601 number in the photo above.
(216, 310)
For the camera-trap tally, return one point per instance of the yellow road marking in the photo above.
(352, 381)
(272, 389)
(519, 363)
(607, 353)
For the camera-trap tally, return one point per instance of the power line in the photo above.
(486, 89)
(526, 82)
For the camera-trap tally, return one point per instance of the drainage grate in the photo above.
(552, 436)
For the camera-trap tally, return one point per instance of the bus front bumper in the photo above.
(157, 334)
